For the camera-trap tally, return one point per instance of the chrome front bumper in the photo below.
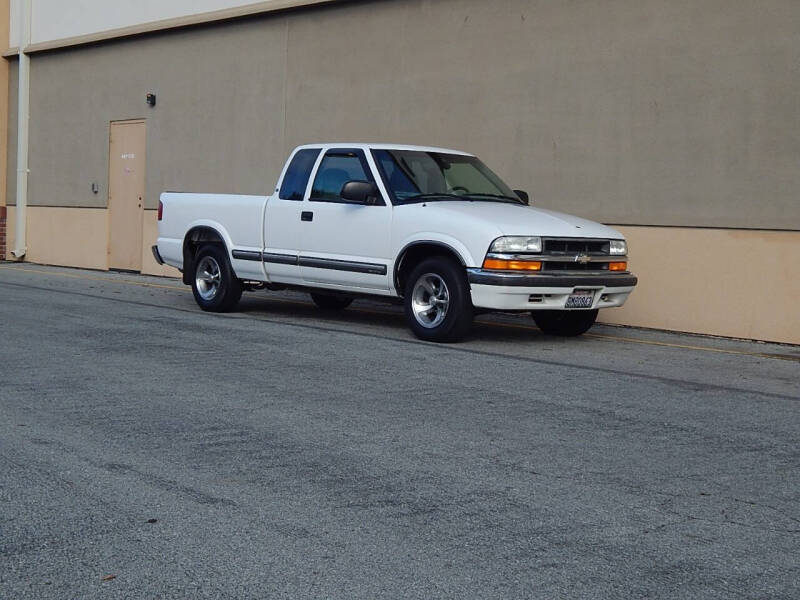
(524, 291)
(571, 280)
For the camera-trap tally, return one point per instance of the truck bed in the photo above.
(231, 213)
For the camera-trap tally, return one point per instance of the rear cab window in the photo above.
(297, 175)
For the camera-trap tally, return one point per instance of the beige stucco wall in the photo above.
(217, 124)
(644, 112)
(724, 282)
(670, 112)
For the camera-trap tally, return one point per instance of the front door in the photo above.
(344, 244)
(126, 195)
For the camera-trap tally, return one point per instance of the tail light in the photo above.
(160, 210)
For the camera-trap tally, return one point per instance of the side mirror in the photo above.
(523, 195)
(360, 192)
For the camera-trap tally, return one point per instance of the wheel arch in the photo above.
(413, 252)
(197, 235)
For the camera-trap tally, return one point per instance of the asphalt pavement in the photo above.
(150, 450)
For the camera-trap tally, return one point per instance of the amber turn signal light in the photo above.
(618, 266)
(495, 264)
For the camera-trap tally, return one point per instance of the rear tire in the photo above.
(214, 285)
(331, 302)
(437, 301)
(565, 323)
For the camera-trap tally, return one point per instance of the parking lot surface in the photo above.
(149, 450)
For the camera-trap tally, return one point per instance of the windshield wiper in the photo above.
(495, 197)
(470, 197)
(423, 197)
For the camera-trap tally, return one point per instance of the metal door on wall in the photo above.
(126, 194)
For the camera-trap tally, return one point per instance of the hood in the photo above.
(511, 219)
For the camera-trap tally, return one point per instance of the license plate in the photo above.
(580, 299)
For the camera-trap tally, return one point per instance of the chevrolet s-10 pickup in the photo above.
(433, 228)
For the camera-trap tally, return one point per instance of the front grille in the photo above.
(574, 246)
(571, 254)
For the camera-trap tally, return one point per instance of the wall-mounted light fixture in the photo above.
(151, 99)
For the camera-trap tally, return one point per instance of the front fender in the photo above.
(449, 243)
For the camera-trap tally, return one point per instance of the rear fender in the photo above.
(202, 232)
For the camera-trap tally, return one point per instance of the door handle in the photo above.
(306, 215)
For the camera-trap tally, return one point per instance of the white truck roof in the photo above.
(380, 146)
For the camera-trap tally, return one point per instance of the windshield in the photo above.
(415, 176)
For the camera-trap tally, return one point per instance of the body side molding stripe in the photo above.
(312, 262)
(246, 255)
(279, 259)
(342, 265)
(268, 257)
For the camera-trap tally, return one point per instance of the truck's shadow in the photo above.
(487, 328)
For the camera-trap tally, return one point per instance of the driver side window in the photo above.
(337, 168)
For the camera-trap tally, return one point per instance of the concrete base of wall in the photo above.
(78, 237)
(733, 283)
(73, 237)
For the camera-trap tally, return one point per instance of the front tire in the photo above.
(214, 285)
(565, 323)
(437, 301)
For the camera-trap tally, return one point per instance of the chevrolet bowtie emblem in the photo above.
(583, 259)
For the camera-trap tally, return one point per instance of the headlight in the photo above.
(618, 247)
(516, 245)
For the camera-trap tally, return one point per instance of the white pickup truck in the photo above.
(433, 227)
